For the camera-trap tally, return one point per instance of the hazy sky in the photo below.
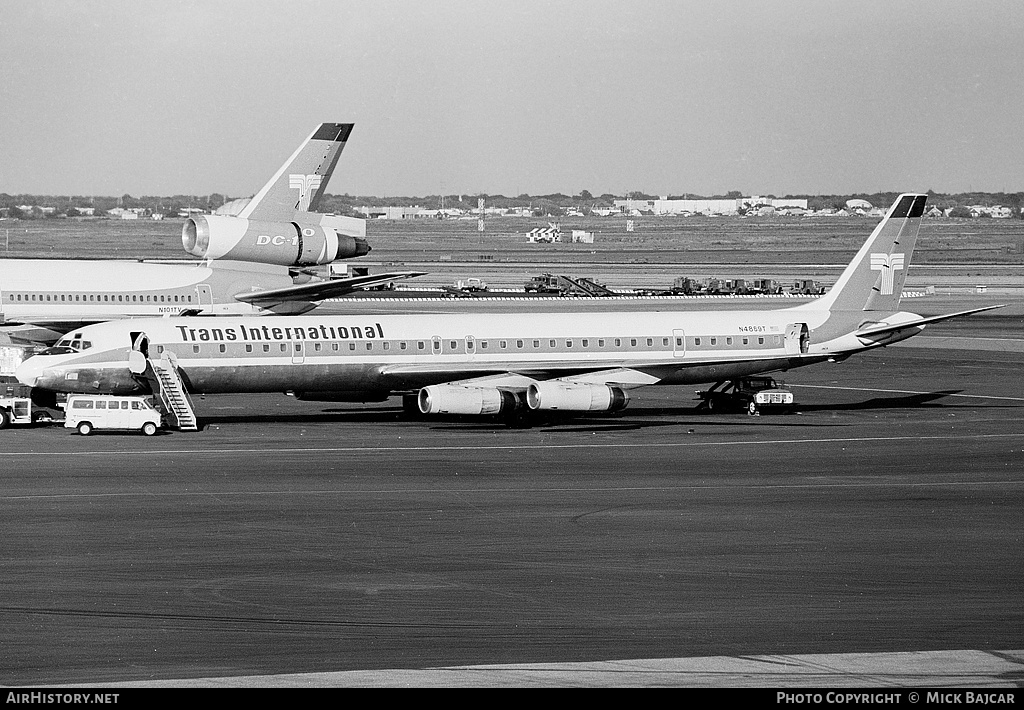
(525, 96)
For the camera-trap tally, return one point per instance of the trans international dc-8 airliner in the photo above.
(498, 363)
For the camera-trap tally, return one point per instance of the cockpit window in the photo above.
(69, 345)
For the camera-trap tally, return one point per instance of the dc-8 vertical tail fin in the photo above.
(302, 180)
(874, 280)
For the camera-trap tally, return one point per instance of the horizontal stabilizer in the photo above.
(320, 290)
(880, 328)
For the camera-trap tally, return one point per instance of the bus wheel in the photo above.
(149, 428)
(84, 428)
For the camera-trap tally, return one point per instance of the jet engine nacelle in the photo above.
(282, 243)
(456, 399)
(575, 397)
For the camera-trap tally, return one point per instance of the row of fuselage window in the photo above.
(437, 345)
(95, 298)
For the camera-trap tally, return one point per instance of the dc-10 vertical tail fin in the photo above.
(302, 180)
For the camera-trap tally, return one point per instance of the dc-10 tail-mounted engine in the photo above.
(298, 243)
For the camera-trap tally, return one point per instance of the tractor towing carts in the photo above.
(750, 394)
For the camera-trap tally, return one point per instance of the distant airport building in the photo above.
(852, 205)
(424, 213)
(996, 211)
(122, 213)
(731, 206)
(390, 212)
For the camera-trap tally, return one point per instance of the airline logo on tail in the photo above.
(888, 264)
(306, 185)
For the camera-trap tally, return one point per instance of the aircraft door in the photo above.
(798, 338)
(470, 347)
(435, 345)
(678, 343)
(140, 342)
(204, 296)
(298, 352)
(139, 353)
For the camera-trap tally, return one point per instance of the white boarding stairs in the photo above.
(173, 394)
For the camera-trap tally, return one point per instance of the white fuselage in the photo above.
(390, 353)
(66, 293)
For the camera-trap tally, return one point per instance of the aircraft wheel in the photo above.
(149, 428)
(84, 428)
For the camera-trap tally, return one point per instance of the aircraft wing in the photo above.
(320, 290)
(492, 375)
(624, 377)
(18, 333)
(880, 328)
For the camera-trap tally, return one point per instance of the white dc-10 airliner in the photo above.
(255, 260)
(497, 363)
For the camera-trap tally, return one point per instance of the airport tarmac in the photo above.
(871, 539)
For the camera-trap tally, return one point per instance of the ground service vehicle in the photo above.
(545, 283)
(15, 410)
(750, 394)
(807, 287)
(566, 286)
(86, 412)
(471, 285)
(685, 286)
(765, 286)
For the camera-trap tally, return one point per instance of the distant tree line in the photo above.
(57, 206)
(555, 204)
